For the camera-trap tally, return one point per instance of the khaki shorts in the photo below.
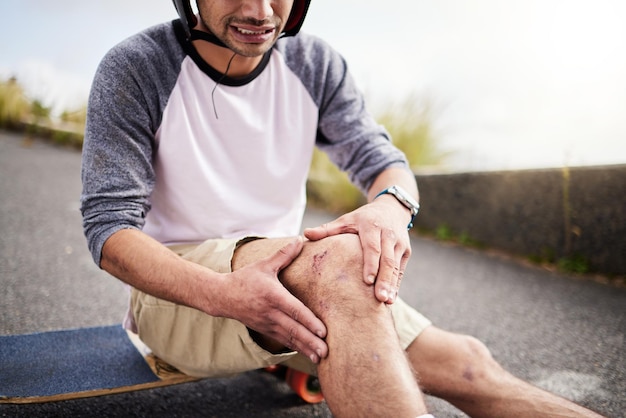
(205, 346)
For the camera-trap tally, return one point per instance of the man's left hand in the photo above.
(381, 227)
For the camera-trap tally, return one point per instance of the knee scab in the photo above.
(468, 374)
(318, 260)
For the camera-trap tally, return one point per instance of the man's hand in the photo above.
(255, 297)
(381, 226)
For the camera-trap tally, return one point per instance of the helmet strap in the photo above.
(205, 36)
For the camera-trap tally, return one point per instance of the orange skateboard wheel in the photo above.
(305, 385)
(273, 368)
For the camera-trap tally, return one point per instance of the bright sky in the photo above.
(514, 84)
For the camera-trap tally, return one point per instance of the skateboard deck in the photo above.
(86, 362)
(78, 363)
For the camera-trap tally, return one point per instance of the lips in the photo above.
(253, 34)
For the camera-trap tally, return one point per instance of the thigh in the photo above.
(194, 342)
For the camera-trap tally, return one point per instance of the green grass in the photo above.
(574, 264)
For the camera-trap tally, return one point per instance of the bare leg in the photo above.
(367, 372)
(460, 369)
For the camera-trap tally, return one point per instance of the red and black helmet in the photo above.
(296, 18)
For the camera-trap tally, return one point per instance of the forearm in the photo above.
(142, 262)
(393, 176)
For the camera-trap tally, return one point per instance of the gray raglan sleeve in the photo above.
(347, 132)
(350, 135)
(117, 172)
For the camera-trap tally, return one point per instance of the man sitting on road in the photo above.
(198, 142)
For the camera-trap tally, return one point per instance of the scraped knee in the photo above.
(329, 275)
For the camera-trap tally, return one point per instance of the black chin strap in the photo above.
(205, 36)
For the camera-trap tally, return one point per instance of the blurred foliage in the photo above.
(18, 112)
(410, 125)
(329, 188)
(78, 116)
(574, 264)
(14, 106)
(39, 112)
(444, 233)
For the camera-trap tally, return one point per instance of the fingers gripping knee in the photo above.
(329, 273)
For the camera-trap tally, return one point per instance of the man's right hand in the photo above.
(254, 296)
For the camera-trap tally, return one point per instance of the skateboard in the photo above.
(304, 385)
(79, 363)
(86, 362)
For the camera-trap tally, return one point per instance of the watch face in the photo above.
(406, 199)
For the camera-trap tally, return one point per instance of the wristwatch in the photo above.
(405, 198)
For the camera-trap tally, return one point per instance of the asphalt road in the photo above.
(560, 332)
